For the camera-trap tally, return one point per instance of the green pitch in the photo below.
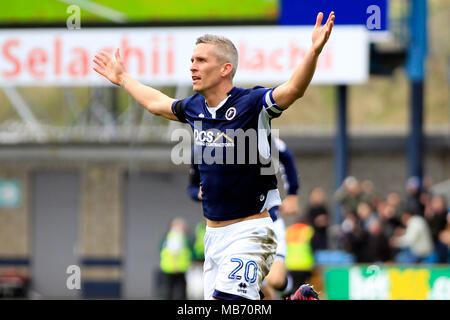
(54, 11)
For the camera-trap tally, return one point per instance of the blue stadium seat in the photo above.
(333, 257)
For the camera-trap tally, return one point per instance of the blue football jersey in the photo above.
(232, 151)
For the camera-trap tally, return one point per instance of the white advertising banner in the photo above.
(161, 56)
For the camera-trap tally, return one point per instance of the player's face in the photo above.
(205, 68)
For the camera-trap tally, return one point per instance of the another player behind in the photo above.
(278, 278)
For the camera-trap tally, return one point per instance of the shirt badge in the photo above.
(231, 113)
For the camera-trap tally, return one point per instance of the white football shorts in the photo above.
(237, 259)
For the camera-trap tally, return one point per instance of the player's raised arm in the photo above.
(285, 94)
(153, 100)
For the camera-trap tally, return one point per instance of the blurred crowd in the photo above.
(411, 226)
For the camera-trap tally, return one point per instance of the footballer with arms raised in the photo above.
(240, 244)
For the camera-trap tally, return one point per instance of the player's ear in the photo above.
(226, 69)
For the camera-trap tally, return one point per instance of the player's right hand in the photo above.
(112, 69)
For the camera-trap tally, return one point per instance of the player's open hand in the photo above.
(112, 69)
(290, 206)
(321, 33)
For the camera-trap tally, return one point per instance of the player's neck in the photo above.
(215, 95)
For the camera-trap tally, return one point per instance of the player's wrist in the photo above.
(122, 80)
(315, 50)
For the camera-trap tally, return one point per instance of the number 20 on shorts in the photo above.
(250, 270)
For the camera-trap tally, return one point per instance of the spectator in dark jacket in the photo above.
(378, 247)
(413, 200)
(317, 215)
(436, 216)
(354, 238)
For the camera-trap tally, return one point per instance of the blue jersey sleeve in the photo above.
(193, 192)
(264, 98)
(178, 111)
(272, 109)
(194, 181)
(290, 176)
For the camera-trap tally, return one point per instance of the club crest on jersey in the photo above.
(231, 113)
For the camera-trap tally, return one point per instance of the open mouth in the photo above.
(195, 78)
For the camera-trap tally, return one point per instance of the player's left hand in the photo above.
(289, 206)
(321, 33)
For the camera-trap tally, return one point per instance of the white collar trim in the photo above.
(213, 111)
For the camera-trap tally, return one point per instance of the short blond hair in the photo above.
(226, 51)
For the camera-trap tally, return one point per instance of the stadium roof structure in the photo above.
(90, 117)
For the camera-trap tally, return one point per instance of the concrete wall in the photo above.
(15, 221)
